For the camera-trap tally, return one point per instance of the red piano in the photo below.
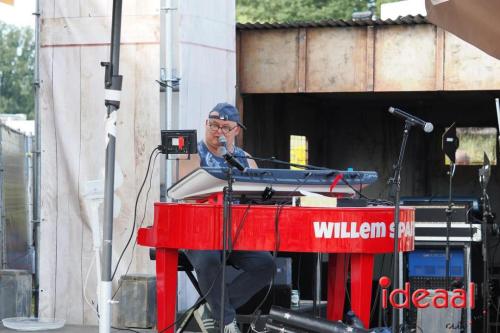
(348, 235)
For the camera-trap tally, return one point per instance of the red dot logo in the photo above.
(384, 282)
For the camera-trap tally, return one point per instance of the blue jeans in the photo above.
(257, 271)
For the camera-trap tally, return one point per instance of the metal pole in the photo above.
(37, 170)
(486, 280)
(317, 287)
(226, 240)
(449, 212)
(396, 187)
(113, 86)
(167, 8)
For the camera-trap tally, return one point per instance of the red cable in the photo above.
(335, 181)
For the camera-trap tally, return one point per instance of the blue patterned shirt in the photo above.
(207, 159)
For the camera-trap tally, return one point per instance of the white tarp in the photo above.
(207, 53)
(74, 40)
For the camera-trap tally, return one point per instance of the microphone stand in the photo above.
(226, 238)
(484, 175)
(395, 181)
(449, 211)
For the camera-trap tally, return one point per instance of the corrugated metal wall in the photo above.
(15, 203)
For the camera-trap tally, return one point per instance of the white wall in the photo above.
(207, 63)
(75, 39)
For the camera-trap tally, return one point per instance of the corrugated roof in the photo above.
(406, 20)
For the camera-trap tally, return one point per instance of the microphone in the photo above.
(233, 162)
(427, 127)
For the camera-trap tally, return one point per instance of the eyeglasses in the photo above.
(225, 129)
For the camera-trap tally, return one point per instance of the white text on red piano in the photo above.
(364, 230)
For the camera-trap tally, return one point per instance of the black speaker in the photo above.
(280, 295)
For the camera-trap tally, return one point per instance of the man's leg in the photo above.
(207, 266)
(258, 269)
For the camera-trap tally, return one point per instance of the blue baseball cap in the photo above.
(226, 111)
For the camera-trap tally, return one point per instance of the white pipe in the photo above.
(168, 10)
(105, 307)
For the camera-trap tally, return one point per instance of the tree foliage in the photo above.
(17, 49)
(298, 10)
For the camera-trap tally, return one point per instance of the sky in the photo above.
(20, 14)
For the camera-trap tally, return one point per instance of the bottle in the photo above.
(295, 298)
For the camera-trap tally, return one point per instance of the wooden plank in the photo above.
(146, 137)
(336, 59)
(240, 139)
(468, 68)
(47, 9)
(270, 61)
(97, 31)
(48, 195)
(92, 143)
(94, 8)
(210, 70)
(63, 8)
(405, 58)
(66, 98)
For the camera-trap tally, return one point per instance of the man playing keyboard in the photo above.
(256, 267)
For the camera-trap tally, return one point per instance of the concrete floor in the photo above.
(79, 329)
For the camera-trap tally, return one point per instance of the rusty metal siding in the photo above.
(366, 58)
(269, 61)
(468, 68)
(336, 59)
(405, 58)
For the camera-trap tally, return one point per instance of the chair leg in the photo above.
(194, 282)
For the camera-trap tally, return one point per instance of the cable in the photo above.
(276, 249)
(135, 214)
(223, 265)
(124, 329)
(85, 287)
(275, 252)
(347, 260)
(142, 222)
(313, 167)
(377, 293)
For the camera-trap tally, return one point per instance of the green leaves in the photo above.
(299, 10)
(296, 10)
(17, 52)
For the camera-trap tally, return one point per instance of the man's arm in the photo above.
(186, 166)
(251, 163)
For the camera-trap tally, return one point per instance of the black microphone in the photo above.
(427, 127)
(233, 162)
